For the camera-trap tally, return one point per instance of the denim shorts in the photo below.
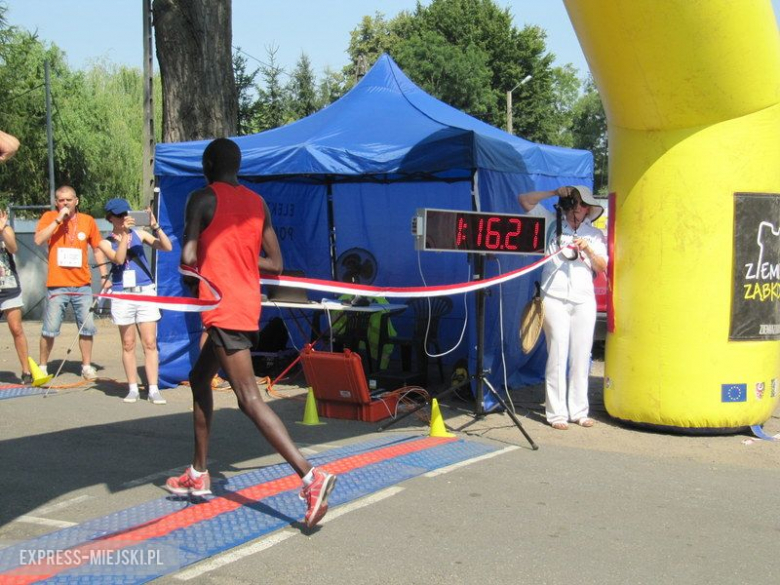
(57, 301)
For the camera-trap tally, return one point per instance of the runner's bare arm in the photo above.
(197, 216)
(7, 233)
(8, 146)
(272, 262)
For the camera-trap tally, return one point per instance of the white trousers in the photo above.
(568, 328)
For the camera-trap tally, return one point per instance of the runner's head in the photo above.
(221, 159)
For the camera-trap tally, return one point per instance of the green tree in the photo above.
(332, 87)
(589, 131)
(302, 89)
(96, 118)
(566, 93)
(469, 54)
(248, 105)
(271, 101)
(372, 37)
(460, 76)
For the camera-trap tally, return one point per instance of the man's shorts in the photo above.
(57, 301)
(129, 313)
(12, 303)
(232, 341)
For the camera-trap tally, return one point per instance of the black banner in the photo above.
(755, 302)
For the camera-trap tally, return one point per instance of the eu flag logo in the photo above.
(733, 392)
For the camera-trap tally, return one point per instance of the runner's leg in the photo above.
(203, 402)
(238, 366)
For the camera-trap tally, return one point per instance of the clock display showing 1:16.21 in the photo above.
(483, 232)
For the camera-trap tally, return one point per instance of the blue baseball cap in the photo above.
(117, 206)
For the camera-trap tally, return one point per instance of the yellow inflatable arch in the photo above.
(691, 90)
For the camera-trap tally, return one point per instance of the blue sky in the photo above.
(93, 29)
(88, 30)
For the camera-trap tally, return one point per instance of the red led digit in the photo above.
(493, 239)
(513, 234)
(479, 231)
(461, 237)
(536, 235)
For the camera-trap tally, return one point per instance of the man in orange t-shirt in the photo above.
(69, 233)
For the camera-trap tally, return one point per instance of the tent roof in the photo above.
(385, 127)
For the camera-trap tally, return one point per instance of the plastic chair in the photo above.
(355, 332)
(425, 335)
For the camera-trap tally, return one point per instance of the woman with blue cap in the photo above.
(131, 275)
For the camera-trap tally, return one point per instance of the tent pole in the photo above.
(331, 230)
(479, 269)
(481, 372)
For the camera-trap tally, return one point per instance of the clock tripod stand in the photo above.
(480, 377)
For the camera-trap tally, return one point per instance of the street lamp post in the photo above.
(523, 81)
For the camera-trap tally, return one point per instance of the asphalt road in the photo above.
(601, 505)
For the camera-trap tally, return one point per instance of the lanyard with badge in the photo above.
(128, 274)
(68, 256)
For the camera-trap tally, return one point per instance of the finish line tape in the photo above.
(195, 305)
(407, 292)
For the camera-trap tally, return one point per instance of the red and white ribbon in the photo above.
(408, 291)
(181, 304)
(195, 305)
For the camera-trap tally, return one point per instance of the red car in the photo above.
(601, 286)
(601, 282)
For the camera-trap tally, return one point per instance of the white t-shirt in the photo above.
(570, 280)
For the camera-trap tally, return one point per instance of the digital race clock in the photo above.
(469, 231)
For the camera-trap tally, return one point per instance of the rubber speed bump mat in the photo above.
(162, 536)
(14, 391)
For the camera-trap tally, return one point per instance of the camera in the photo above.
(141, 218)
(566, 203)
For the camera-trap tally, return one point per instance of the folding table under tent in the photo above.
(352, 176)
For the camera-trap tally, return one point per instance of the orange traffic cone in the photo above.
(39, 378)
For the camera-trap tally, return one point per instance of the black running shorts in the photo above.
(232, 341)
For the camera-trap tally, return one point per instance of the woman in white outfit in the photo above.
(569, 299)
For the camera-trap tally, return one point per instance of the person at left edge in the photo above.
(8, 146)
(131, 275)
(11, 302)
(69, 233)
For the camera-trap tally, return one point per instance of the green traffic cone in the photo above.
(310, 416)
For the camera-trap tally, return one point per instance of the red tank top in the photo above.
(228, 251)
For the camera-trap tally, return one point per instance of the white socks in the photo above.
(132, 395)
(308, 478)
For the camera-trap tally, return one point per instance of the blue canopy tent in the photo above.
(352, 176)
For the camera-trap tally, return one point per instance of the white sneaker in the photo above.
(131, 397)
(156, 398)
(44, 368)
(88, 372)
